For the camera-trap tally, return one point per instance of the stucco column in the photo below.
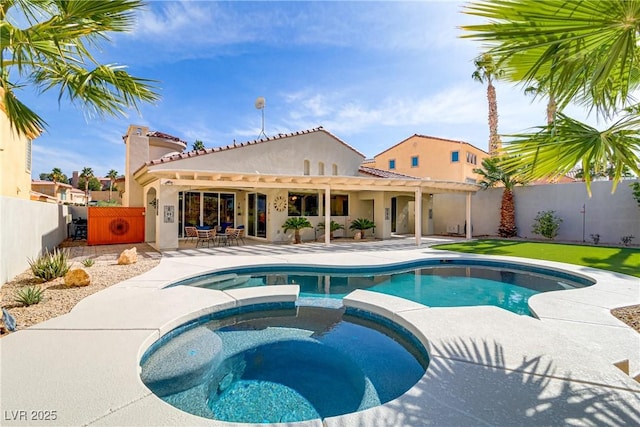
(327, 216)
(468, 206)
(418, 214)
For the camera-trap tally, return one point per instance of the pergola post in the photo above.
(327, 216)
(468, 206)
(418, 214)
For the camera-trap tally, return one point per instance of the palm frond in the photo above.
(21, 118)
(588, 47)
(556, 149)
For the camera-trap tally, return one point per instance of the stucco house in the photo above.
(432, 157)
(15, 161)
(259, 184)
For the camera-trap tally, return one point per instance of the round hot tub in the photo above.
(283, 364)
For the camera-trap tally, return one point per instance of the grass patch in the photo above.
(621, 260)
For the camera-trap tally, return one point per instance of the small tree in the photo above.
(197, 145)
(296, 223)
(362, 224)
(333, 226)
(546, 224)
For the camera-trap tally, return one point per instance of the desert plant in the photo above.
(626, 240)
(362, 224)
(595, 238)
(296, 223)
(88, 262)
(50, 265)
(333, 226)
(29, 295)
(546, 223)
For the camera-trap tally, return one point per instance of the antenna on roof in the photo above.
(260, 103)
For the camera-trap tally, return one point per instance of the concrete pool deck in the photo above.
(488, 366)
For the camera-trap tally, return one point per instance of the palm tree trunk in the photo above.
(507, 215)
(296, 235)
(494, 139)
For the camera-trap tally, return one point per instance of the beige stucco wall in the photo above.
(284, 156)
(35, 225)
(15, 174)
(434, 159)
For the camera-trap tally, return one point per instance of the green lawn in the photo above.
(622, 260)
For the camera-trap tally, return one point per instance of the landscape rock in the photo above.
(128, 256)
(77, 277)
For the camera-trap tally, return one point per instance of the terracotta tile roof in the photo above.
(383, 173)
(280, 136)
(156, 134)
(42, 182)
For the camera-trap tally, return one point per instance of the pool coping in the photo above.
(105, 335)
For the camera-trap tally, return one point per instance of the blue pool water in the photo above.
(433, 283)
(284, 365)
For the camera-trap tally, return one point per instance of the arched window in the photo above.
(306, 167)
(334, 169)
(320, 168)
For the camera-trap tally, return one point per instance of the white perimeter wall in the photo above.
(26, 228)
(610, 215)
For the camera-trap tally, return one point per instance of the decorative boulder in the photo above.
(358, 235)
(128, 256)
(77, 277)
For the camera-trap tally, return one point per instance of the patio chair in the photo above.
(191, 232)
(205, 236)
(238, 234)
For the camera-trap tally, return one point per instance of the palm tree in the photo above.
(112, 175)
(49, 44)
(487, 70)
(198, 145)
(296, 223)
(362, 224)
(492, 175)
(57, 175)
(586, 54)
(333, 226)
(87, 174)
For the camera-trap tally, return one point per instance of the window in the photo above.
(27, 165)
(472, 158)
(320, 168)
(334, 169)
(339, 205)
(470, 180)
(306, 167)
(303, 204)
(392, 164)
(455, 156)
(414, 161)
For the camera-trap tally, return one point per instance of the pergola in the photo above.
(195, 179)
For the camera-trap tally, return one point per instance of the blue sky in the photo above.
(372, 73)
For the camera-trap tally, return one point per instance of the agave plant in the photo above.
(362, 224)
(296, 223)
(333, 226)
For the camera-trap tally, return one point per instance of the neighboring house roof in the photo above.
(280, 136)
(41, 197)
(42, 182)
(380, 173)
(427, 137)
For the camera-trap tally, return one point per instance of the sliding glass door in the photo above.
(257, 215)
(209, 209)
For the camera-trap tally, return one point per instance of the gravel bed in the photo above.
(59, 299)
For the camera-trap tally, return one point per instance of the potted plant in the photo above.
(361, 224)
(296, 223)
(333, 226)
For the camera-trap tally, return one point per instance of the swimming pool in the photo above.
(435, 283)
(284, 364)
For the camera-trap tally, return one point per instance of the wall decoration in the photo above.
(169, 213)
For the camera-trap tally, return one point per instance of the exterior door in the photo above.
(257, 215)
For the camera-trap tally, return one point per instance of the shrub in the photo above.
(296, 223)
(50, 265)
(595, 238)
(635, 188)
(546, 224)
(333, 226)
(88, 262)
(626, 239)
(29, 295)
(361, 224)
